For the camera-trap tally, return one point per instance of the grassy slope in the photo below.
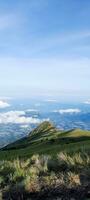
(46, 139)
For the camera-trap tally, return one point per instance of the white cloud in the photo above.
(47, 119)
(17, 117)
(62, 111)
(24, 126)
(4, 104)
(31, 110)
(87, 102)
(35, 115)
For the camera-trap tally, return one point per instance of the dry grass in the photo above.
(43, 171)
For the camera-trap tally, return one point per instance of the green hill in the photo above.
(47, 164)
(46, 139)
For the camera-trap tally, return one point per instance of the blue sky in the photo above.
(45, 48)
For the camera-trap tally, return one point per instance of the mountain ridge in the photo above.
(46, 139)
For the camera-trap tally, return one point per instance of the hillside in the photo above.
(47, 164)
(46, 139)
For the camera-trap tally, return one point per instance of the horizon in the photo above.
(45, 49)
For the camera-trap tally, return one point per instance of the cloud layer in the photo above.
(4, 104)
(17, 117)
(31, 110)
(66, 111)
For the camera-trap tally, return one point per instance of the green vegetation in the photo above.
(46, 139)
(47, 164)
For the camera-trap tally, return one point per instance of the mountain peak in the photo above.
(45, 126)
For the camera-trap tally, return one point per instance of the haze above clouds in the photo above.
(45, 48)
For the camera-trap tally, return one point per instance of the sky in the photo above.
(45, 48)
